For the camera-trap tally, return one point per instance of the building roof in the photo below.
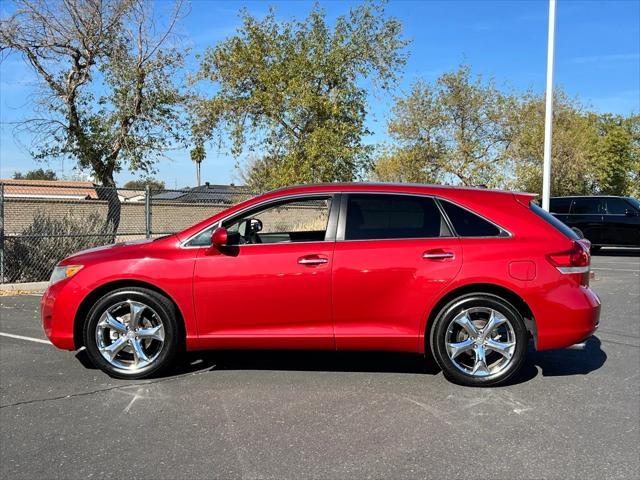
(49, 189)
(228, 194)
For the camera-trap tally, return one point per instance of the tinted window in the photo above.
(557, 224)
(468, 224)
(393, 216)
(616, 206)
(559, 205)
(586, 206)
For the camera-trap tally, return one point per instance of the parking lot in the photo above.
(570, 414)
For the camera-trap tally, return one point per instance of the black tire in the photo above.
(478, 301)
(163, 310)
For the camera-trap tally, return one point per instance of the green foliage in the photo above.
(291, 92)
(31, 256)
(591, 153)
(141, 184)
(452, 131)
(39, 174)
(464, 130)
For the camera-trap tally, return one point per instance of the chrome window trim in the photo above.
(504, 233)
(341, 222)
(216, 224)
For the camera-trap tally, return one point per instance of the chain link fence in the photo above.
(43, 222)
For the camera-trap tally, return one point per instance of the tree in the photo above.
(291, 92)
(615, 151)
(198, 154)
(141, 184)
(451, 131)
(108, 97)
(591, 153)
(38, 174)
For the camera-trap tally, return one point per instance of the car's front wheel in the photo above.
(479, 340)
(131, 333)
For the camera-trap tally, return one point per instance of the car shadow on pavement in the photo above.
(563, 362)
(547, 363)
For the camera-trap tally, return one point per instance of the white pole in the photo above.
(548, 114)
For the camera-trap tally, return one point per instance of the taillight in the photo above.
(574, 261)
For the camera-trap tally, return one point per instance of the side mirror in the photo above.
(219, 237)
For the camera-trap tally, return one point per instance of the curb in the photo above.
(31, 287)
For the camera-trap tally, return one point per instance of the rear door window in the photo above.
(382, 216)
(468, 224)
(587, 206)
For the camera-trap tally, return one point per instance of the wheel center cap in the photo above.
(131, 335)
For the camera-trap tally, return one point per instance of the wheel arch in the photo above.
(487, 288)
(98, 292)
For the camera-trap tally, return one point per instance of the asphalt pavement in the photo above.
(570, 414)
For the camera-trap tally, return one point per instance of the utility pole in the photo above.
(548, 113)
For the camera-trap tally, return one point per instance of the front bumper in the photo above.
(58, 308)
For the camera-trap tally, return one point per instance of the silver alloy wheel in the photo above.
(130, 335)
(480, 341)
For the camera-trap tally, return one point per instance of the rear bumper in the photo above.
(567, 316)
(58, 308)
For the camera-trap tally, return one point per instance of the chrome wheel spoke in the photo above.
(139, 356)
(114, 348)
(480, 366)
(503, 348)
(152, 333)
(488, 338)
(457, 348)
(130, 335)
(114, 323)
(465, 322)
(136, 310)
(495, 320)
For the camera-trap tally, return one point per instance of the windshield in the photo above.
(634, 202)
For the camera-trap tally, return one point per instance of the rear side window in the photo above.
(385, 216)
(560, 205)
(468, 224)
(557, 224)
(587, 206)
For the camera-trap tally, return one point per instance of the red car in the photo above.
(469, 275)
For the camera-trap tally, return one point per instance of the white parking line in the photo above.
(20, 337)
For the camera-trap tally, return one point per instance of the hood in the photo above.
(90, 253)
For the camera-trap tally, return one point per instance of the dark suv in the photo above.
(603, 220)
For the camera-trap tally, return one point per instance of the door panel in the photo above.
(586, 214)
(381, 289)
(264, 296)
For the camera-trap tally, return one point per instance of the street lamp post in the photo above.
(548, 114)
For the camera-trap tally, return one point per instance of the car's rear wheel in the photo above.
(131, 333)
(479, 340)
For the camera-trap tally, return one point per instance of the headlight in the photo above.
(60, 273)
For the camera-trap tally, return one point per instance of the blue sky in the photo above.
(597, 60)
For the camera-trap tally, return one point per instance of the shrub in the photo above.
(31, 256)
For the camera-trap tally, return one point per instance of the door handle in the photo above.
(312, 260)
(438, 255)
